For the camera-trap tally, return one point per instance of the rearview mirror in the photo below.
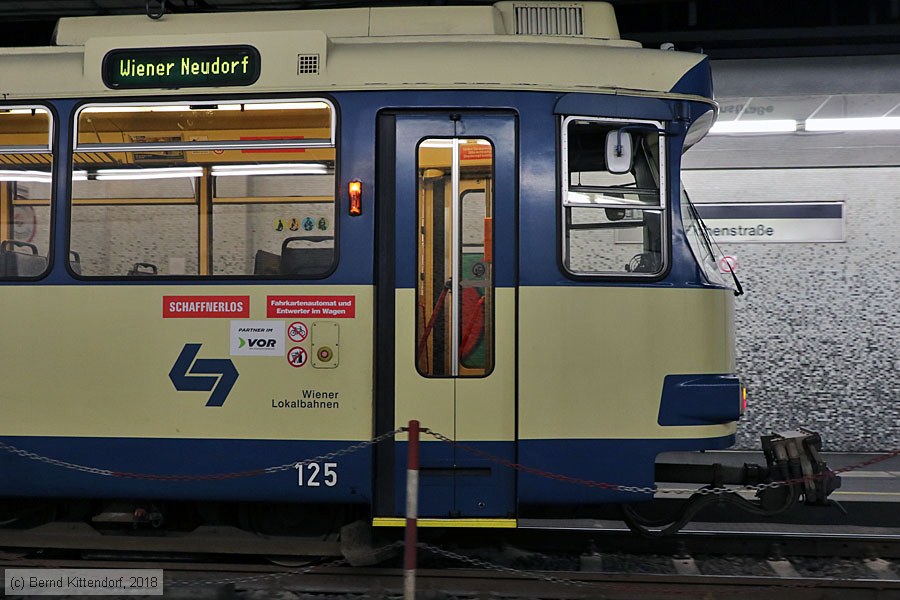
(618, 152)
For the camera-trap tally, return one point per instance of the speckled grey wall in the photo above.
(111, 239)
(593, 250)
(817, 330)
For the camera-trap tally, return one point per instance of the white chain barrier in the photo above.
(488, 566)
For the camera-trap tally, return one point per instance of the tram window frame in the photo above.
(9, 201)
(202, 252)
(576, 203)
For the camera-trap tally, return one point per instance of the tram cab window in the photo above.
(704, 248)
(25, 185)
(613, 218)
(215, 188)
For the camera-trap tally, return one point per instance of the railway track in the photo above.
(185, 580)
(466, 583)
(690, 566)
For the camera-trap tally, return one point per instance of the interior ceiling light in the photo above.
(285, 106)
(758, 126)
(118, 108)
(271, 169)
(854, 124)
(37, 176)
(25, 111)
(218, 106)
(132, 174)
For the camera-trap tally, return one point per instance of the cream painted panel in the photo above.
(76, 31)
(95, 360)
(424, 20)
(593, 359)
(427, 399)
(599, 22)
(353, 63)
(486, 407)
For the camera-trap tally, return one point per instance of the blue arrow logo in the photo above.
(189, 375)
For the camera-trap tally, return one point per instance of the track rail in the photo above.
(217, 540)
(246, 581)
(527, 563)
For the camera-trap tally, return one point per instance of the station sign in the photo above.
(172, 68)
(763, 222)
(768, 222)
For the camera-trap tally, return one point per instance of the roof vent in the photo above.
(549, 19)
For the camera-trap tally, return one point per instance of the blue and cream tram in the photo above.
(296, 231)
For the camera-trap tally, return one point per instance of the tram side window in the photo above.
(231, 189)
(291, 236)
(613, 214)
(25, 186)
(139, 226)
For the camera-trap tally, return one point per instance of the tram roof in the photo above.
(509, 45)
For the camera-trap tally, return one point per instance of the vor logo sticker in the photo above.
(257, 338)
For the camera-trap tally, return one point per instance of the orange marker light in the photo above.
(355, 189)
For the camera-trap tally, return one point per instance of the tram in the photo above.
(296, 231)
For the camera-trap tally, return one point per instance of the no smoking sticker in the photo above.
(297, 356)
(297, 331)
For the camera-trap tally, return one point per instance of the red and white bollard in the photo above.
(412, 512)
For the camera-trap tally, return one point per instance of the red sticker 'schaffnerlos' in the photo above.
(325, 307)
(206, 307)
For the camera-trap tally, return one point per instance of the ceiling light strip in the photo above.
(854, 124)
(760, 126)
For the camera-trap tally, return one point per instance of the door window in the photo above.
(455, 290)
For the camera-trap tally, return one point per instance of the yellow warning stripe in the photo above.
(865, 494)
(481, 523)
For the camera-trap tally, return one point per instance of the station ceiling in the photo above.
(724, 29)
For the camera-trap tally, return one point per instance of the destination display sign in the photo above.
(207, 66)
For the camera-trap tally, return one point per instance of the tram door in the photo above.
(447, 297)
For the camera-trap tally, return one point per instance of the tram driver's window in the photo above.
(241, 189)
(613, 216)
(25, 185)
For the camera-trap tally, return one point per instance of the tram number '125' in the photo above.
(308, 474)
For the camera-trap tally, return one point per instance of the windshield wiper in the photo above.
(709, 241)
